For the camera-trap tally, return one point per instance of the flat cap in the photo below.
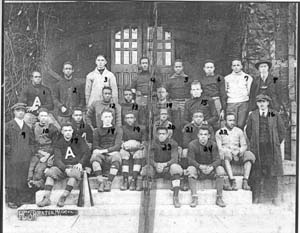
(18, 105)
(263, 97)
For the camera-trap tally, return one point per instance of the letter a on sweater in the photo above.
(69, 153)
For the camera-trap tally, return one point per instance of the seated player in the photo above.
(198, 101)
(134, 141)
(204, 162)
(70, 155)
(190, 133)
(163, 162)
(232, 146)
(45, 135)
(163, 122)
(129, 104)
(81, 129)
(107, 141)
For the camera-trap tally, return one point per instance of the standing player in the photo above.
(67, 94)
(19, 141)
(265, 131)
(70, 155)
(232, 146)
(164, 162)
(36, 96)
(204, 103)
(107, 141)
(94, 112)
(214, 87)
(178, 86)
(237, 87)
(99, 78)
(134, 141)
(204, 162)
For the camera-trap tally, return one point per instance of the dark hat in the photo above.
(18, 105)
(209, 61)
(262, 97)
(263, 62)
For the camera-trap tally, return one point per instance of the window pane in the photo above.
(126, 33)
(126, 45)
(126, 57)
(168, 45)
(150, 31)
(134, 45)
(159, 33)
(167, 35)
(134, 33)
(168, 58)
(118, 57)
(134, 57)
(118, 35)
(160, 45)
(159, 58)
(118, 45)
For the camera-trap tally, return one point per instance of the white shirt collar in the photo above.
(19, 122)
(265, 112)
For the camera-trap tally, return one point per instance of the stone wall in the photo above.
(270, 35)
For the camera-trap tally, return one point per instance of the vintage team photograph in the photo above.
(149, 116)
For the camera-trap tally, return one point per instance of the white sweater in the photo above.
(237, 87)
(96, 81)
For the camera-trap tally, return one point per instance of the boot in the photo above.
(124, 185)
(233, 185)
(139, 184)
(107, 186)
(61, 201)
(132, 185)
(45, 202)
(176, 202)
(220, 201)
(184, 184)
(245, 185)
(101, 187)
(194, 202)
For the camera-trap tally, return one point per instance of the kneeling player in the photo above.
(163, 161)
(134, 137)
(107, 142)
(232, 145)
(70, 154)
(204, 163)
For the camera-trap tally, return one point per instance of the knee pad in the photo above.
(125, 155)
(249, 156)
(96, 166)
(139, 154)
(192, 172)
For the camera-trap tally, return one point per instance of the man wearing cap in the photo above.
(67, 94)
(45, 135)
(19, 142)
(266, 84)
(265, 131)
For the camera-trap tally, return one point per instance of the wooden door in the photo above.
(130, 43)
(126, 51)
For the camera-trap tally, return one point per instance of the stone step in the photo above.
(160, 183)
(162, 197)
(160, 210)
